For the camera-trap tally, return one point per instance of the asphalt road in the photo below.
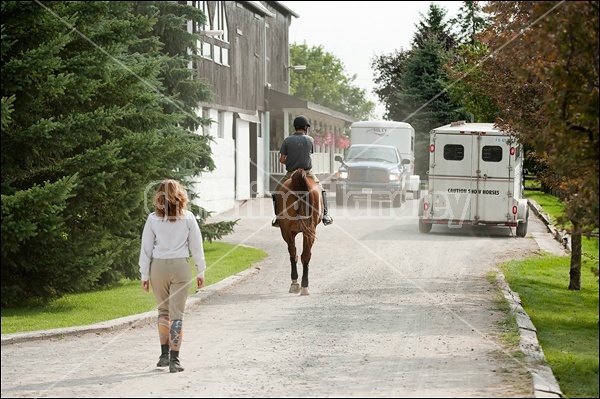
(392, 313)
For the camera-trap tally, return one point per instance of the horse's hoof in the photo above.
(294, 288)
(304, 291)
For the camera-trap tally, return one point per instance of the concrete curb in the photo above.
(560, 235)
(128, 321)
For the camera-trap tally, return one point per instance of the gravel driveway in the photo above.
(392, 313)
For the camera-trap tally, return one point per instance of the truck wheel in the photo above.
(347, 199)
(424, 227)
(522, 226)
(397, 200)
(339, 196)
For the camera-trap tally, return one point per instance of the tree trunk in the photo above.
(575, 271)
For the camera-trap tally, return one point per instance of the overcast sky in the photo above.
(357, 31)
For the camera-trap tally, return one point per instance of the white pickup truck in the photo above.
(475, 177)
(398, 134)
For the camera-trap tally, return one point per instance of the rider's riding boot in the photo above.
(327, 220)
(275, 222)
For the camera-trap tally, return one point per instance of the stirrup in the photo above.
(327, 220)
(275, 222)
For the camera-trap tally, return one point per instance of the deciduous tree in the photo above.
(325, 82)
(543, 73)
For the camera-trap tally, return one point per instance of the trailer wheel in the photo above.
(424, 227)
(522, 226)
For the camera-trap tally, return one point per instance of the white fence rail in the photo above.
(321, 162)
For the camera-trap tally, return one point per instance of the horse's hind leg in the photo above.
(290, 239)
(294, 287)
(306, 255)
(304, 290)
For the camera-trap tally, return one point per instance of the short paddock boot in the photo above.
(163, 360)
(174, 364)
(275, 222)
(327, 220)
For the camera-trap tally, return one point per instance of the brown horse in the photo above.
(301, 208)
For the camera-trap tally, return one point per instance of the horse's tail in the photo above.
(305, 207)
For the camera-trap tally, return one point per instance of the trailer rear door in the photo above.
(471, 176)
(494, 179)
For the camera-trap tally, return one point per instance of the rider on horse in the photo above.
(295, 153)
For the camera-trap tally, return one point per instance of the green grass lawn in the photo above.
(551, 205)
(566, 320)
(128, 298)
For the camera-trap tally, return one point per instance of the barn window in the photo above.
(221, 53)
(205, 48)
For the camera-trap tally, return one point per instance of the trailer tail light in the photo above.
(514, 210)
(432, 148)
(425, 206)
(512, 150)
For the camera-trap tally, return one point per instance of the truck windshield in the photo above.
(372, 154)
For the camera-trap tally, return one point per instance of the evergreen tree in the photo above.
(434, 26)
(415, 91)
(424, 102)
(92, 117)
(469, 22)
(463, 66)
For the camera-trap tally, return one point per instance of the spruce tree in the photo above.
(89, 125)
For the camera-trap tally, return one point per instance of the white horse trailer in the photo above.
(475, 177)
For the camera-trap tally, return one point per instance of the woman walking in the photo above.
(170, 234)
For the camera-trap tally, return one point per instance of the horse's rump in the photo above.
(302, 203)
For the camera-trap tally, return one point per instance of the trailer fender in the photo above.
(421, 212)
(522, 208)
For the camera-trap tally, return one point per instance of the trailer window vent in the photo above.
(491, 153)
(454, 152)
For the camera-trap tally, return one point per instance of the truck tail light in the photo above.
(425, 206)
(512, 150)
(514, 210)
(432, 148)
